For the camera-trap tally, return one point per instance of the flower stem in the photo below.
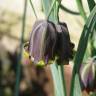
(50, 10)
(81, 9)
(21, 49)
(33, 9)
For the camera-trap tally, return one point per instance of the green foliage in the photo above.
(77, 87)
(87, 31)
(88, 28)
(91, 4)
(55, 75)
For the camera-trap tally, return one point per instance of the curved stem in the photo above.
(68, 10)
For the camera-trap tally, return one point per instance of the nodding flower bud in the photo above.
(49, 42)
(88, 73)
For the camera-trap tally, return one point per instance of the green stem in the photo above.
(20, 55)
(33, 9)
(50, 10)
(81, 9)
(68, 10)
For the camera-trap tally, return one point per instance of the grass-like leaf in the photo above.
(61, 80)
(77, 87)
(91, 4)
(88, 28)
(56, 80)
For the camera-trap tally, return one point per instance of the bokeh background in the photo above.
(34, 81)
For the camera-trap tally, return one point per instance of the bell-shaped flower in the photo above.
(49, 42)
(87, 73)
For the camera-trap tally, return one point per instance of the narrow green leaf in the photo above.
(77, 88)
(88, 28)
(61, 76)
(56, 79)
(91, 4)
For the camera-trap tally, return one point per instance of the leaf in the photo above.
(56, 80)
(77, 88)
(91, 4)
(88, 28)
(61, 80)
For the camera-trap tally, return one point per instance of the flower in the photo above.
(87, 73)
(49, 42)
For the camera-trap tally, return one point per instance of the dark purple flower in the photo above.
(49, 42)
